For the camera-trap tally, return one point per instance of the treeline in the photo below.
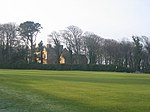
(134, 55)
(18, 42)
(18, 45)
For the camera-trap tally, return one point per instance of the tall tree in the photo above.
(110, 50)
(8, 41)
(73, 37)
(126, 51)
(56, 38)
(146, 42)
(1, 44)
(137, 51)
(92, 44)
(68, 42)
(28, 31)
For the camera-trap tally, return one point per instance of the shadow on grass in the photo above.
(113, 80)
(28, 99)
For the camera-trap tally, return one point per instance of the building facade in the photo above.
(50, 57)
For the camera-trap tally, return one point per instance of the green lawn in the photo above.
(73, 91)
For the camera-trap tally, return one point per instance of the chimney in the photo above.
(49, 45)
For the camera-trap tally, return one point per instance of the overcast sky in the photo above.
(115, 19)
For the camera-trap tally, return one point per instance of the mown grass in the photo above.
(73, 91)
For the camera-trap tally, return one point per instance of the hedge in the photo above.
(88, 67)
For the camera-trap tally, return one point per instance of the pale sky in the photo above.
(108, 18)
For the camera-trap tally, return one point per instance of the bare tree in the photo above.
(146, 42)
(73, 38)
(109, 48)
(92, 44)
(126, 50)
(8, 41)
(56, 38)
(67, 36)
(137, 52)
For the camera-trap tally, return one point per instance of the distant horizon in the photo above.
(110, 19)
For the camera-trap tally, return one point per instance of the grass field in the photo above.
(73, 91)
